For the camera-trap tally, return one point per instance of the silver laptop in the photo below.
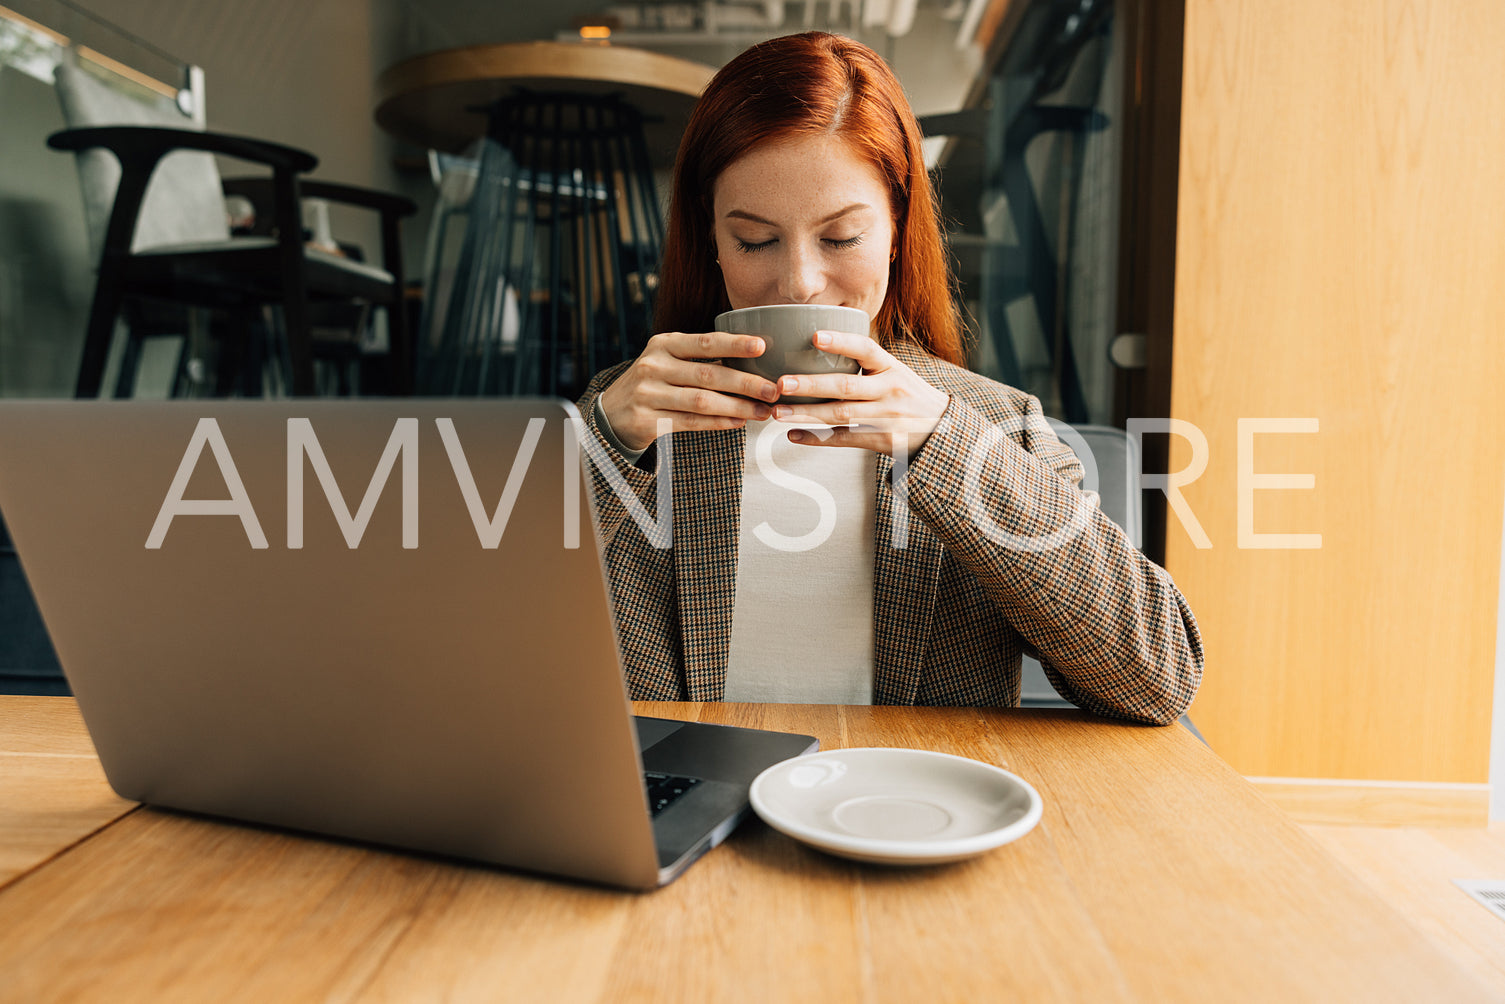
(379, 620)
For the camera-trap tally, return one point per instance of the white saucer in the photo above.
(896, 806)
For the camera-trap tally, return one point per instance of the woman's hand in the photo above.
(885, 405)
(679, 377)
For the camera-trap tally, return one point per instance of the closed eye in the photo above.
(747, 247)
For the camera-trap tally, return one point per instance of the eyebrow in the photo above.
(743, 215)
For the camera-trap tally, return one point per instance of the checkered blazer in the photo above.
(1000, 552)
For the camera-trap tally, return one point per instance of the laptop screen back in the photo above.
(379, 619)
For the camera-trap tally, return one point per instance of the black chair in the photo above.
(158, 222)
(239, 275)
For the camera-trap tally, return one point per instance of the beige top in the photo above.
(802, 621)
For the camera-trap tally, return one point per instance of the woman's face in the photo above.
(804, 221)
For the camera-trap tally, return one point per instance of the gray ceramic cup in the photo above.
(787, 329)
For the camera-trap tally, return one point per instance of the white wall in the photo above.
(293, 71)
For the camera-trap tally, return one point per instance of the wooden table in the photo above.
(439, 99)
(1157, 874)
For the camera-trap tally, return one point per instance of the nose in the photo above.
(803, 277)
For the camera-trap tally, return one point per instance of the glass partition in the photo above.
(1033, 193)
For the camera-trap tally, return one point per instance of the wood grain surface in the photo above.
(1414, 869)
(1156, 874)
(52, 791)
(1340, 248)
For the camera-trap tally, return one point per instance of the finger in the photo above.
(837, 386)
(845, 436)
(825, 413)
(711, 375)
(862, 348)
(700, 401)
(711, 345)
(856, 419)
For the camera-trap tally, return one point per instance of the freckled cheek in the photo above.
(870, 282)
(746, 284)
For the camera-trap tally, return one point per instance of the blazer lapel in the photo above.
(707, 483)
(906, 578)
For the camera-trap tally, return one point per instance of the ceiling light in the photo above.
(595, 27)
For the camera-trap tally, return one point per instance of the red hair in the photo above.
(800, 85)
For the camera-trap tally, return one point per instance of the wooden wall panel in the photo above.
(1341, 256)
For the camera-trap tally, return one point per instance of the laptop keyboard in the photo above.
(666, 789)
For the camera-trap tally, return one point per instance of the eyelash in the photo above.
(840, 245)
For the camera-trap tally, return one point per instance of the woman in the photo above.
(907, 540)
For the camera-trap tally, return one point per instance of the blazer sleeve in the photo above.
(1113, 632)
(625, 490)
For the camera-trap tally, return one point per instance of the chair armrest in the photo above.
(259, 191)
(151, 143)
(390, 208)
(140, 148)
(369, 198)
